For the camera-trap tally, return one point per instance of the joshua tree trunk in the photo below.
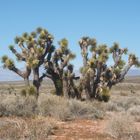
(58, 83)
(36, 81)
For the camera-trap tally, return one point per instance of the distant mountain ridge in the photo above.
(7, 75)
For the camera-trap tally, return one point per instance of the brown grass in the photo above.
(26, 128)
(122, 112)
(121, 127)
(48, 105)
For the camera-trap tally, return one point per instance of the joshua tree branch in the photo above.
(45, 75)
(41, 77)
(16, 70)
(76, 78)
(42, 58)
(63, 64)
(124, 72)
(23, 48)
(46, 49)
(27, 72)
(18, 55)
(116, 58)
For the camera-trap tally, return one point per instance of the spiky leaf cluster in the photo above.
(134, 60)
(121, 64)
(116, 49)
(63, 54)
(8, 63)
(34, 47)
(100, 53)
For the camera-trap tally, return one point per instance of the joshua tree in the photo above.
(34, 48)
(98, 78)
(59, 70)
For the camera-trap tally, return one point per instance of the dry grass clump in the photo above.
(85, 110)
(28, 91)
(7, 89)
(127, 102)
(121, 127)
(112, 106)
(65, 109)
(26, 129)
(137, 118)
(124, 93)
(17, 105)
(48, 105)
(135, 112)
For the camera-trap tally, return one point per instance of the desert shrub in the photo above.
(11, 89)
(23, 92)
(53, 92)
(31, 90)
(112, 106)
(31, 128)
(122, 93)
(28, 91)
(41, 128)
(65, 109)
(17, 106)
(137, 118)
(122, 127)
(85, 110)
(49, 105)
(135, 110)
(128, 102)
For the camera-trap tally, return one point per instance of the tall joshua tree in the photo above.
(98, 78)
(33, 50)
(58, 68)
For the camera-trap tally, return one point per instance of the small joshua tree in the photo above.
(98, 78)
(59, 70)
(34, 48)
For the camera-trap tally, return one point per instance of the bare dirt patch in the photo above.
(81, 130)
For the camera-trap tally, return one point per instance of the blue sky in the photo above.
(106, 20)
